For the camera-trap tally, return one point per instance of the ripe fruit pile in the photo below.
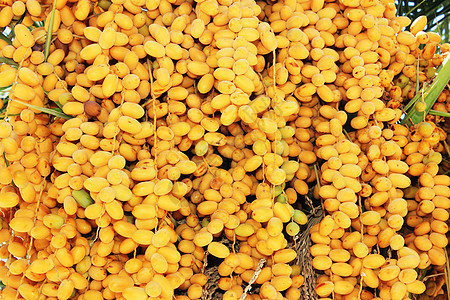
(188, 135)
